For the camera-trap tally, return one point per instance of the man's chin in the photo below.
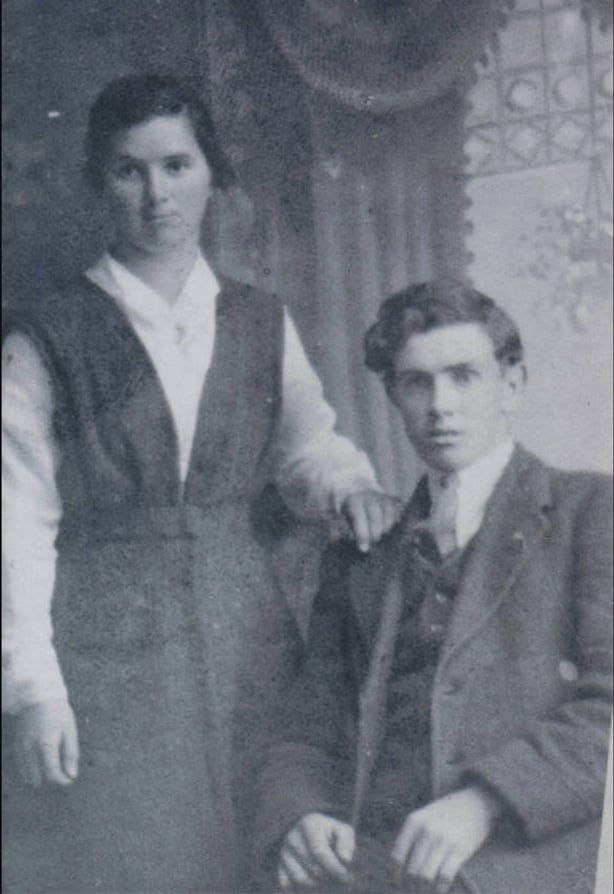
(444, 457)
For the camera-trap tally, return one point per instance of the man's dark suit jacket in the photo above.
(523, 689)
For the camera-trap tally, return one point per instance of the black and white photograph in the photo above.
(307, 444)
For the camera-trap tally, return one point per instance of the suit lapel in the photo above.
(370, 574)
(514, 523)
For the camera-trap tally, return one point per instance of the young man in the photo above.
(450, 723)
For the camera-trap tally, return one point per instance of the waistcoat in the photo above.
(401, 779)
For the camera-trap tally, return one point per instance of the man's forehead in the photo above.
(453, 344)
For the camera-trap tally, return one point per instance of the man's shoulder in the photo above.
(566, 483)
(340, 556)
(344, 553)
(580, 480)
(575, 493)
(349, 576)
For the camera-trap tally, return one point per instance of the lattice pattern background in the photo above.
(550, 103)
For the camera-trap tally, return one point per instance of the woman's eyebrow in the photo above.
(124, 156)
(411, 371)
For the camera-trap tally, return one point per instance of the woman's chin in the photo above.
(163, 243)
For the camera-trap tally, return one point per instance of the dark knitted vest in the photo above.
(118, 448)
(401, 780)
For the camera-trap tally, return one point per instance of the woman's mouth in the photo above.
(169, 217)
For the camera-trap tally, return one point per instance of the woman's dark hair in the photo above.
(431, 305)
(135, 99)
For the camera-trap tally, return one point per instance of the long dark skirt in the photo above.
(174, 642)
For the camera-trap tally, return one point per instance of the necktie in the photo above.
(442, 522)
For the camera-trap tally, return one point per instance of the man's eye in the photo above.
(176, 165)
(461, 375)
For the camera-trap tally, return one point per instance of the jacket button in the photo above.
(568, 671)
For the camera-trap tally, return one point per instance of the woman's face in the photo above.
(157, 184)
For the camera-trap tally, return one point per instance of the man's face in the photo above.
(453, 395)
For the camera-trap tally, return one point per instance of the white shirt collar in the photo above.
(143, 304)
(476, 484)
(482, 475)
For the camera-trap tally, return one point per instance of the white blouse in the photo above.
(312, 458)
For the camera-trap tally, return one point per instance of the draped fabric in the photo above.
(350, 204)
(380, 56)
(386, 213)
(346, 131)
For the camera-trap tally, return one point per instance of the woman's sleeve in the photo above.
(317, 466)
(31, 511)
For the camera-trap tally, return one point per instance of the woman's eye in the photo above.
(411, 381)
(127, 172)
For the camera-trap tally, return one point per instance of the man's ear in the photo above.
(390, 391)
(515, 380)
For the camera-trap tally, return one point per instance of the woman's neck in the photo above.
(165, 273)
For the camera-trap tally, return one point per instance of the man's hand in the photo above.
(437, 840)
(371, 513)
(317, 847)
(47, 744)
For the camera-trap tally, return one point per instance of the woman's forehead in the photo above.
(156, 137)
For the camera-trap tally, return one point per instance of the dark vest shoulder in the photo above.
(111, 416)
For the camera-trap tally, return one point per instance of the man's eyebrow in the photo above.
(465, 365)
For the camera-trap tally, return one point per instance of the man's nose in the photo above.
(443, 396)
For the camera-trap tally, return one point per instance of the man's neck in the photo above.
(476, 484)
(495, 458)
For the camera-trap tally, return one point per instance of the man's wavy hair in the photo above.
(431, 305)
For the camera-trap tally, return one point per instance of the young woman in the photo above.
(144, 409)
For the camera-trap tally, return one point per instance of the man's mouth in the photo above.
(443, 435)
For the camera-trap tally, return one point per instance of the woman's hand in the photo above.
(437, 840)
(316, 848)
(371, 514)
(46, 743)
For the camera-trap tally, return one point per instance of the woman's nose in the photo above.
(156, 187)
